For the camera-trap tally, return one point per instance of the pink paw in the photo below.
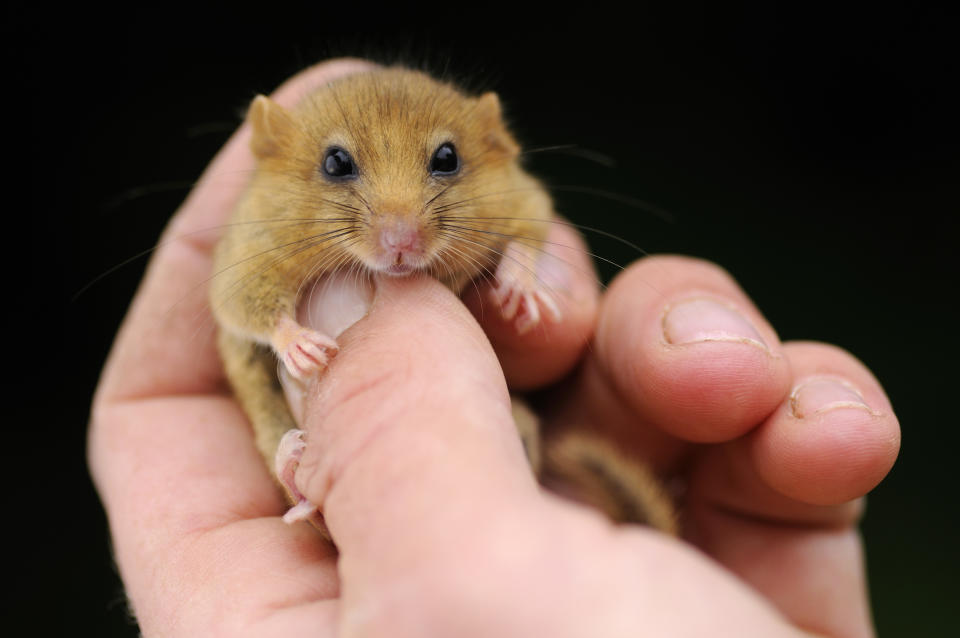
(521, 296)
(304, 352)
(286, 463)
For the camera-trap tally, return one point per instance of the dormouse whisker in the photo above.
(561, 222)
(576, 151)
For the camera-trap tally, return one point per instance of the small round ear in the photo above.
(272, 127)
(490, 115)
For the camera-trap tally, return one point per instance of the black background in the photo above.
(812, 152)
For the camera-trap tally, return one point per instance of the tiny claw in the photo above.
(302, 511)
(511, 304)
(304, 352)
(530, 318)
(288, 454)
(548, 302)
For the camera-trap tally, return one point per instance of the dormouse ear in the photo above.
(272, 127)
(490, 115)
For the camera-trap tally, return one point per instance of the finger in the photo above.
(832, 440)
(779, 506)
(194, 519)
(814, 576)
(835, 439)
(166, 344)
(552, 348)
(411, 448)
(680, 355)
(689, 351)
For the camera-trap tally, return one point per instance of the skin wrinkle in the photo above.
(841, 521)
(745, 492)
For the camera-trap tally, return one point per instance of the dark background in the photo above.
(812, 152)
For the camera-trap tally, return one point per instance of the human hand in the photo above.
(440, 526)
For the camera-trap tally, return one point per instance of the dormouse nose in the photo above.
(400, 235)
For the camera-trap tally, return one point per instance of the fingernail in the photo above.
(700, 320)
(822, 394)
(335, 302)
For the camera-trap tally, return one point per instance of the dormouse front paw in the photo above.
(304, 352)
(522, 296)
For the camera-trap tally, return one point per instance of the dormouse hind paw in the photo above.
(304, 352)
(286, 463)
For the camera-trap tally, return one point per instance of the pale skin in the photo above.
(412, 455)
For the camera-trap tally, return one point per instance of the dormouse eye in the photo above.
(445, 160)
(338, 164)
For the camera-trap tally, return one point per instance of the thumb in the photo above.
(410, 439)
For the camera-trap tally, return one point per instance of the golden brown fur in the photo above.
(295, 223)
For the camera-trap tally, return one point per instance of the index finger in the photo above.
(411, 440)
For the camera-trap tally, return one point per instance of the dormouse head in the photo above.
(406, 171)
